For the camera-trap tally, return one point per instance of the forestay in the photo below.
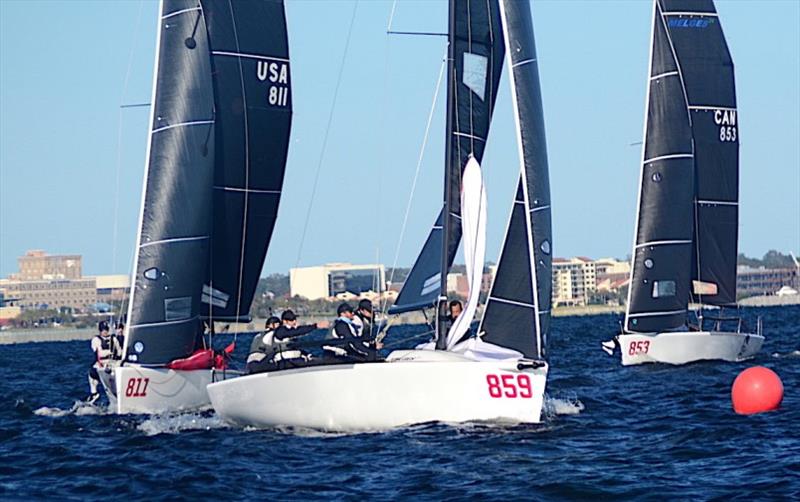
(517, 314)
(475, 60)
(661, 260)
(708, 76)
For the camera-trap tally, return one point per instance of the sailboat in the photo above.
(501, 373)
(216, 153)
(685, 244)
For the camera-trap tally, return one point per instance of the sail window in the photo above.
(138, 347)
(663, 289)
(656, 177)
(151, 273)
(648, 263)
(545, 246)
(176, 309)
(474, 77)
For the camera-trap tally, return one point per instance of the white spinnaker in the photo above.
(473, 226)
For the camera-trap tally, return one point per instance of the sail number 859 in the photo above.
(509, 386)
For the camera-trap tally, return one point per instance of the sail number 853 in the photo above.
(727, 133)
(509, 386)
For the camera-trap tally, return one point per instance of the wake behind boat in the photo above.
(501, 373)
(219, 133)
(685, 245)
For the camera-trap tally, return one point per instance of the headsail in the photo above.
(517, 314)
(661, 261)
(708, 76)
(250, 57)
(216, 158)
(475, 62)
(173, 245)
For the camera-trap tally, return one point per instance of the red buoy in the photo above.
(756, 390)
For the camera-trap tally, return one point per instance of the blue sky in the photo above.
(63, 69)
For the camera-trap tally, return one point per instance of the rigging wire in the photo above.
(416, 173)
(327, 131)
(122, 106)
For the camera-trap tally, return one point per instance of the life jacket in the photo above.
(105, 351)
(263, 344)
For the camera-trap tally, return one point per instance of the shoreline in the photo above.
(42, 335)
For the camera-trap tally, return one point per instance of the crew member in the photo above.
(119, 339)
(262, 348)
(290, 329)
(365, 321)
(346, 329)
(103, 346)
(454, 310)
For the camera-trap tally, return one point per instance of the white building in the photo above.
(328, 281)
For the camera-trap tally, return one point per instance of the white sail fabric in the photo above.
(475, 348)
(473, 226)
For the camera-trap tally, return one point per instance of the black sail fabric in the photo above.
(253, 104)
(475, 62)
(708, 76)
(660, 276)
(517, 312)
(173, 245)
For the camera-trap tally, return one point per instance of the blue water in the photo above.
(643, 432)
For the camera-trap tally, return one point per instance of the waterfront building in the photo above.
(751, 281)
(327, 281)
(574, 280)
(36, 265)
(76, 294)
(112, 288)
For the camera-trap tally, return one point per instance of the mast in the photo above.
(447, 221)
(475, 61)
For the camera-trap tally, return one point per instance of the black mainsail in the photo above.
(474, 64)
(708, 77)
(253, 121)
(688, 203)
(517, 312)
(216, 154)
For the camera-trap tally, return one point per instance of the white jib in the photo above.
(473, 227)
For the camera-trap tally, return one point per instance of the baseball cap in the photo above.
(102, 326)
(365, 305)
(288, 315)
(272, 320)
(343, 307)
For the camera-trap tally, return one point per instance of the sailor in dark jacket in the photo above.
(263, 346)
(347, 329)
(290, 329)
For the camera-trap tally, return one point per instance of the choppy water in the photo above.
(649, 432)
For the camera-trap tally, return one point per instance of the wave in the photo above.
(79, 408)
(174, 424)
(794, 353)
(554, 406)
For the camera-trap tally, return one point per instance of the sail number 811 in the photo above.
(509, 386)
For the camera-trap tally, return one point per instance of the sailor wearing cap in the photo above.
(104, 346)
(347, 328)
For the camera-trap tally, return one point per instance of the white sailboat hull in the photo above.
(411, 387)
(136, 389)
(683, 347)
